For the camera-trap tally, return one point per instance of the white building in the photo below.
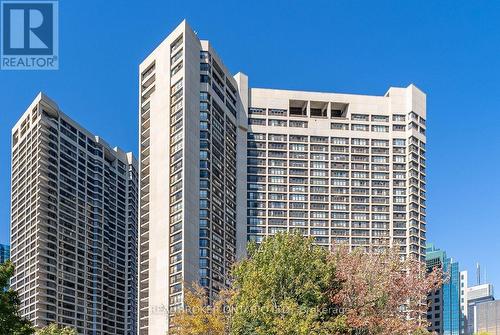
(73, 224)
(343, 168)
(464, 285)
(470, 298)
(189, 109)
(222, 163)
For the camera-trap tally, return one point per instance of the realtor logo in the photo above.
(29, 35)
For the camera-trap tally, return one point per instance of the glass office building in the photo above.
(4, 253)
(444, 304)
(488, 318)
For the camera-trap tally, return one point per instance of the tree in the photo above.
(200, 318)
(289, 286)
(54, 329)
(280, 289)
(382, 294)
(11, 322)
(423, 331)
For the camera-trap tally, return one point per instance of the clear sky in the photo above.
(449, 49)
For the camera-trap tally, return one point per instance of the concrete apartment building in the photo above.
(345, 169)
(189, 109)
(73, 224)
(222, 163)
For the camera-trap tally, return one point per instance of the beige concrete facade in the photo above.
(222, 163)
(343, 168)
(73, 224)
(188, 124)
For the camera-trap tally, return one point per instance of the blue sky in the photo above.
(449, 49)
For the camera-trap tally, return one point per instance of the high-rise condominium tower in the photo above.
(189, 110)
(73, 224)
(222, 163)
(345, 169)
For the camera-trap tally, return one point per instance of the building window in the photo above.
(359, 127)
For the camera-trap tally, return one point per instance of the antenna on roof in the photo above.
(478, 273)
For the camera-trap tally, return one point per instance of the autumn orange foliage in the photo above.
(381, 292)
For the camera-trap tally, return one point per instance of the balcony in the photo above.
(298, 108)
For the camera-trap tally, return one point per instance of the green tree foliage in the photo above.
(282, 289)
(289, 286)
(11, 322)
(54, 329)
